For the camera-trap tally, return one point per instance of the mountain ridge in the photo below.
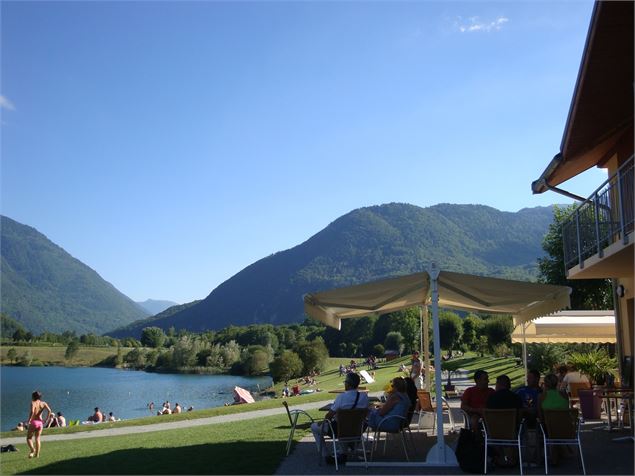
(366, 244)
(44, 288)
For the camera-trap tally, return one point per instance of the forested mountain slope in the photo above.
(367, 244)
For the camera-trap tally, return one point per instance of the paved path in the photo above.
(126, 430)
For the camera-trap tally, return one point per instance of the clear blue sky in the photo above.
(169, 145)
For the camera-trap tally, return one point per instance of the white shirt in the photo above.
(345, 401)
(573, 377)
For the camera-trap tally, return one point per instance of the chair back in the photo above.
(425, 401)
(286, 406)
(501, 424)
(561, 424)
(350, 422)
(574, 388)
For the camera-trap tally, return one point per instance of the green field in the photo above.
(54, 354)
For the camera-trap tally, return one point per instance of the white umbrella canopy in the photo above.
(525, 301)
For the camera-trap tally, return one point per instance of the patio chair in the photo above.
(561, 427)
(404, 424)
(574, 389)
(349, 430)
(426, 407)
(501, 428)
(293, 421)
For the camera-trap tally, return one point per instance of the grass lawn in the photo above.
(241, 447)
(494, 366)
(54, 354)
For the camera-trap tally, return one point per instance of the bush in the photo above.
(378, 350)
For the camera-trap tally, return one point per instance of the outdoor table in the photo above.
(611, 397)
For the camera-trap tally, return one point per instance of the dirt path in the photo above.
(166, 426)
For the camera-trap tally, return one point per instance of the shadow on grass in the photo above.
(255, 457)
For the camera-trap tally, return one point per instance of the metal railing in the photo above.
(601, 220)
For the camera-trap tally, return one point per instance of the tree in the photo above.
(450, 330)
(592, 294)
(26, 359)
(256, 360)
(152, 337)
(19, 335)
(472, 325)
(498, 330)
(378, 350)
(286, 366)
(12, 355)
(313, 354)
(394, 341)
(482, 345)
(71, 350)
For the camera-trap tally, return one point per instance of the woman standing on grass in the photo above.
(36, 423)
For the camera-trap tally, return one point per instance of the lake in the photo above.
(77, 391)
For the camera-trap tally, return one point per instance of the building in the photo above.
(598, 236)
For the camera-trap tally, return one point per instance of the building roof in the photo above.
(601, 110)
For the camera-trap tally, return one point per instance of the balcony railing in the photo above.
(604, 218)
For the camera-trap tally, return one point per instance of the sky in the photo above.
(167, 145)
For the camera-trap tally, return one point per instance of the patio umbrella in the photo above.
(525, 301)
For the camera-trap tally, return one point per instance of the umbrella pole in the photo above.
(439, 453)
(524, 351)
(426, 346)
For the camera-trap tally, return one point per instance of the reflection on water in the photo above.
(76, 391)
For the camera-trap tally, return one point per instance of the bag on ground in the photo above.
(469, 452)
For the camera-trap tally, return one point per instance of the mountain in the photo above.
(154, 306)
(46, 289)
(367, 244)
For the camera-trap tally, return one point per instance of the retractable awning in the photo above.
(564, 327)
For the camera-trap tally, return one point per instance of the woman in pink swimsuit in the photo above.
(36, 423)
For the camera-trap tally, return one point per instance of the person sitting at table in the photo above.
(503, 397)
(474, 398)
(398, 403)
(529, 393)
(351, 398)
(552, 399)
(572, 375)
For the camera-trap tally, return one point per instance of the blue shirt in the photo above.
(529, 396)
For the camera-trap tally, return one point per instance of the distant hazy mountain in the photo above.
(155, 306)
(367, 244)
(46, 289)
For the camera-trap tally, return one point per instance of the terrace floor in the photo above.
(602, 455)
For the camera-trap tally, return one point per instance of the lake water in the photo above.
(77, 391)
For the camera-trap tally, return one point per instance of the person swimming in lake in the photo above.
(36, 423)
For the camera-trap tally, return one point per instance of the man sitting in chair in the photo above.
(351, 398)
(475, 398)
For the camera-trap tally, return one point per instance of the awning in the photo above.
(525, 301)
(593, 327)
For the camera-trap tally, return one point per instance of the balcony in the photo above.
(596, 237)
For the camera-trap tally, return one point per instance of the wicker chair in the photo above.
(561, 427)
(502, 428)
